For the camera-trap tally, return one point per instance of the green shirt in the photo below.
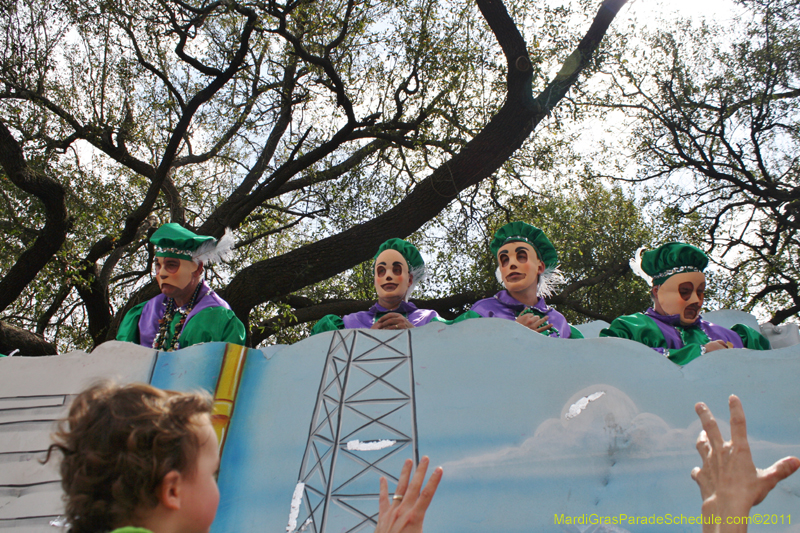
(212, 324)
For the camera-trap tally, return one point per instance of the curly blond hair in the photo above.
(117, 444)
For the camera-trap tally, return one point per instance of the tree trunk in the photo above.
(28, 343)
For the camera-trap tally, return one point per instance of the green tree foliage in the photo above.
(596, 231)
(713, 116)
(315, 130)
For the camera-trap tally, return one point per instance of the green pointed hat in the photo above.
(673, 258)
(406, 249)
(173, 240)
(522, 232)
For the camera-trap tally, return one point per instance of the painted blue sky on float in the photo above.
(528, 428)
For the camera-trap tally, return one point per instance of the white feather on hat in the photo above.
(636, 266)
(215, 251)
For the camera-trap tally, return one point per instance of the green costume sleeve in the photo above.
(460, 318)
(574, 333)
(688, 353)
(213, 324)
(328, 323)
(751, 338)
(628, 327)
(637, 327)
(643, 329)
(131, 529)
(129, 328)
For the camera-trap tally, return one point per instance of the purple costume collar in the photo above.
(511, 308)
(365, 319)
(155, 308)
(668, 325)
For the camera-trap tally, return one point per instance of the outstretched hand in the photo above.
(406, 515)
(730, 484)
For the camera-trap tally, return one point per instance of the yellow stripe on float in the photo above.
(230, 375)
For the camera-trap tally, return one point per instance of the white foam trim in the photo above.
(370, 445)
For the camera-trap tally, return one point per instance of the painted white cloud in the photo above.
(608, 431)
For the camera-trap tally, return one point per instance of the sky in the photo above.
(719, 10)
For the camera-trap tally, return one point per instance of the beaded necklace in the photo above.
(169, 314)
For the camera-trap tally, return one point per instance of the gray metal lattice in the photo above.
(366, 394)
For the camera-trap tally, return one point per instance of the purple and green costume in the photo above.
(681, 344)
(665, 333)
(365, 319)
(211, 320)
(503, 305)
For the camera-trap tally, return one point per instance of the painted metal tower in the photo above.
(364, 426)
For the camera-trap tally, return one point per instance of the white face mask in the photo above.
(392, 277)
(681, 294)
(519, 266)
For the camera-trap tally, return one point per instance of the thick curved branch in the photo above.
(335, 171)
(783, 314)
(28, 343)
(612, 271)
(481, 157)
(57, 222)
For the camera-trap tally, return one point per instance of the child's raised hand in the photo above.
(730, 484)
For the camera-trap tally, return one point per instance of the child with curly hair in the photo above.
(136, 458)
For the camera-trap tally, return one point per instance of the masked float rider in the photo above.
(673, 326)
(527, 267)
(398, 268)
(187, 311)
